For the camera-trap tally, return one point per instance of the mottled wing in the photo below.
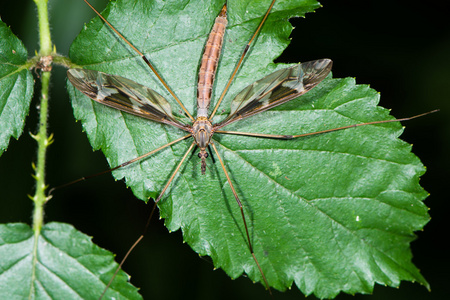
(277, 88)
(123, 94)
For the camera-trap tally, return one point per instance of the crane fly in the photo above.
(270, 91)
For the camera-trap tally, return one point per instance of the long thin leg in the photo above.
(289, 137)
(148, 221)
(121, 165)
(236, 69)
(243, 217)
(145, 60)
(174, 173)
(129, 252)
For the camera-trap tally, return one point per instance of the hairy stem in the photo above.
(45, 39)
(42, 139)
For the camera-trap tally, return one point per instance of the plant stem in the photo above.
(44, 28)
(43, 142)
(41, 137)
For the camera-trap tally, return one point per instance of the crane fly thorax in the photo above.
(202, 131)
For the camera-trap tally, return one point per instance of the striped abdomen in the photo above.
(208, 67)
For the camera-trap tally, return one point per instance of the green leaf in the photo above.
(333, 212)
(16, 86)
(61, 264)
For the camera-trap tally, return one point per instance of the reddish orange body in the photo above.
(202, 129)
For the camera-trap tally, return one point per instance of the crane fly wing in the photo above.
(277, 88)
(124, 94)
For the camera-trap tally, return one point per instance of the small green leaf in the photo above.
(62, 263)
(16, 86)
(333, 212)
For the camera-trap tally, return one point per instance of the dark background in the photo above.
(400, 48)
